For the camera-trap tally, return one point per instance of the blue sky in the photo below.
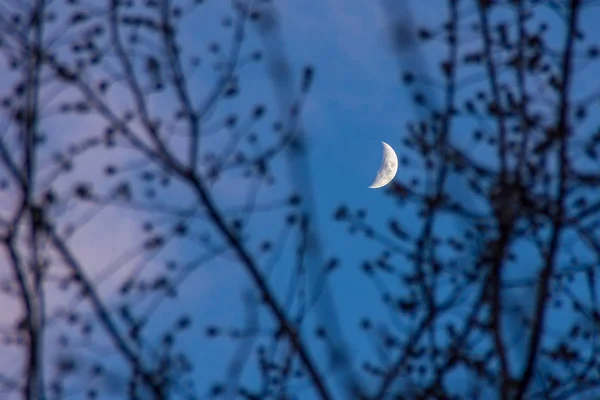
(356, 102)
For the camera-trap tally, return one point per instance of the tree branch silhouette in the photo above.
(143, 180)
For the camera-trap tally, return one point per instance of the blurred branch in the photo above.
(505, 222)
(563, 132)
(103, 314)
(179, 82)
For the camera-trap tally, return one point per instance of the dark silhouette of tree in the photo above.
(152, 108)
(505, 159)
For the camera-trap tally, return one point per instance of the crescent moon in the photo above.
(388, 168)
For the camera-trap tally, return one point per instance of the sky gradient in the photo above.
(356, 101)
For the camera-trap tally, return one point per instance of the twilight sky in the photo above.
(356, 102)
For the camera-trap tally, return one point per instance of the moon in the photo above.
(388, 168)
